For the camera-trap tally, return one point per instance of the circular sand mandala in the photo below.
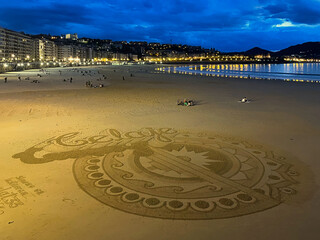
(164, 173)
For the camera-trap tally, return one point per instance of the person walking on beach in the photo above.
(5, 80)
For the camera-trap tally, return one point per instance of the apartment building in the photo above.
(68, 52)
(44, 50)
(65, 52)
(14, 46)
(2, 45)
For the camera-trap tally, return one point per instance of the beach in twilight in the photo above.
(105, 152)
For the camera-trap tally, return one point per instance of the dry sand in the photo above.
(49, 190)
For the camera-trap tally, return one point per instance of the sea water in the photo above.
(301, 72)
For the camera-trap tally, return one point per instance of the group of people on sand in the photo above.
(90, 84)
(70, 80)
(186, 102)
(44, 71)
(19, 79)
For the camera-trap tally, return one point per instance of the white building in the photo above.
(72, 36)
(14, 46)
(44, 50)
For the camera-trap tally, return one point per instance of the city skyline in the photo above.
(227, 26)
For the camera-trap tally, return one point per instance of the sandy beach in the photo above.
(124, 161)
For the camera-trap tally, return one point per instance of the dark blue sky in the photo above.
(227, 25)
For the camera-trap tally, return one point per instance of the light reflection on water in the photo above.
(301, 72)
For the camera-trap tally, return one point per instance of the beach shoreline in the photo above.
(239, 71)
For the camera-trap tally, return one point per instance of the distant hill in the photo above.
(256, 51)
(251, 52)
(305, 50)
(308, 49)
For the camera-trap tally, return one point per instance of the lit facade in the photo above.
(74, 52)
(72, 36)
(44, 50)
(65, 52)
(14, 46)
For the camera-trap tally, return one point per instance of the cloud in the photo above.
(285, 24)
(55, 16)
(233, 24)
(276, 9)
(295, 11)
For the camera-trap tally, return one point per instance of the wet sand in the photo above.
(49, 184)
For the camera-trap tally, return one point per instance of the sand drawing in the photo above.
(165, 173)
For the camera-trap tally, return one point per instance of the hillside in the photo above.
(308, 50)
(304, 50)
(256, 51)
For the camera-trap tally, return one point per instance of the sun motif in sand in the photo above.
(167, 174)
